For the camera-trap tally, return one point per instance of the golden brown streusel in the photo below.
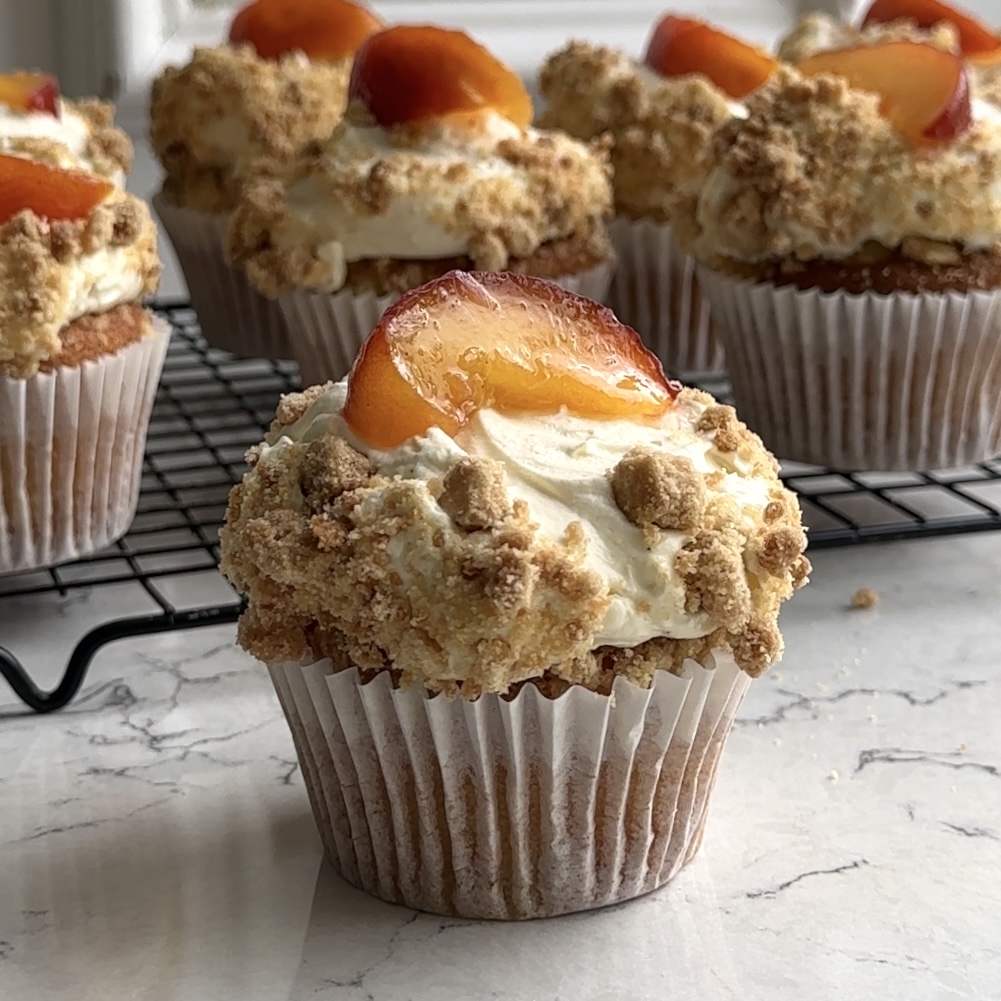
(227, 108)
(38, 264)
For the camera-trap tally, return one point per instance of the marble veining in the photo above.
(157, 843)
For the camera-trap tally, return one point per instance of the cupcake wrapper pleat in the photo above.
(514, 809)
(71, 454)
(879, 382)
(656, 292)
(232, 314)
(327, 331)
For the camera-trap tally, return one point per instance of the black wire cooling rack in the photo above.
(210, 408)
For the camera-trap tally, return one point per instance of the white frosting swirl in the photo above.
(559, 464)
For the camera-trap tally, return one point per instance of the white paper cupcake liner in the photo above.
(232, 314)
(877, 382)
(656, 292)
(71, 453)
(515, 809)
(327, 331)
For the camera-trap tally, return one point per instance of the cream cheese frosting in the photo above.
(777, 191)
(560, 465)
(483, 188)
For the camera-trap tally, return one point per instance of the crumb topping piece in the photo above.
(776, 193)
(474, 494)
(213, 119)
(661, 128)
(53, 272)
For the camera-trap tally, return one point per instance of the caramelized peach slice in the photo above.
(413, 73)
(681, 46)
(976, 40)
(472, 340)
(323, 29)
(925, 91)
(49, 192)
(30, 92)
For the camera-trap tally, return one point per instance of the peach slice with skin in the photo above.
(322, 29)
(977, 42)
(683, 46)
(49, 192)
(416, 73)
(925, 91)
(30, 92)
(474, 340)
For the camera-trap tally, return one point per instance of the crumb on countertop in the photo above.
(865, 597)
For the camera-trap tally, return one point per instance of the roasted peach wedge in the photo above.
(49, 192)
(977, 42)
(322, 29)
(30, 92)
(475, 340)
(682, 46)
(925, 92)
(415, 73)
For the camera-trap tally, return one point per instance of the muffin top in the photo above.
(36, 122)
(71, 245)
(420, 170)
(661, 125)
(544, 530)
(778, 192)
(280, 83)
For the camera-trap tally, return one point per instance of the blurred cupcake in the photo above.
(857, 296)
(278, 84)
(929, 21)
(79, 360)
(661, 113)
(511, 585)
(434, 167)
(36, 122)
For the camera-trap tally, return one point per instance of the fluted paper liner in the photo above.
(327, 331)
(514, 809)
(870, 381)
(656, 292)
(232, 314)
(71, 453)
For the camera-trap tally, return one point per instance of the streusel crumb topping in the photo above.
(484, 191)
(228, 107)
(450, 582)
(661, 128)
(816, 171)
(54, 272)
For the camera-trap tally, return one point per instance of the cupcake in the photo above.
(928, 21)
(661, 112)
(79, 360)
(434, 167)
(511, 585)
(278, 84)
(857, 296)
(36, 122)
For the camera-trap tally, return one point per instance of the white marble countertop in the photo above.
(157, 841)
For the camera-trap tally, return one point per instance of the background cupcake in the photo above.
(510, 617)
(79, 360)
(661, 113)
(278, 84)
(857, 296)
(36, 122)
(434, 167)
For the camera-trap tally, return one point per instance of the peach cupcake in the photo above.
(661, 113)
(511, 585)
(278, 84)
(38, 123)
(434, 167)
(79, 360)
(929, 21)
(858, 296)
